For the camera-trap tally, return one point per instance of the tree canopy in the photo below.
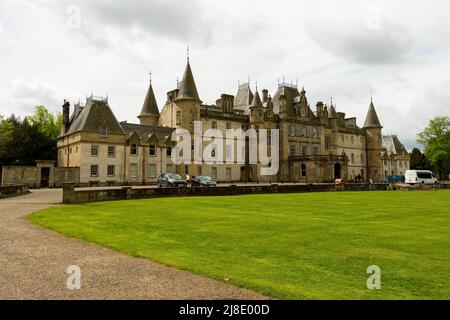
(436, 141)
(22, 142)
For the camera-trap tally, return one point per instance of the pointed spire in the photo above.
(187, 89)
(332, 111)
(256, 100)
(150, 107)
(372, 120)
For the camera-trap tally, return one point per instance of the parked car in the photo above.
(202, 181)
(420, 176)
(171, 180)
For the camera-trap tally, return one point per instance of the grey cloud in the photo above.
(26, 95)
(184, 21)
(355, 42)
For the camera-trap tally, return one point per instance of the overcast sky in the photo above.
(56, 49)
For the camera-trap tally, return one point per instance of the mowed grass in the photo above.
(289, 246)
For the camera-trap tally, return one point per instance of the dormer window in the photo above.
(103, 132)
(303, 111)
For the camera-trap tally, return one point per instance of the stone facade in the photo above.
(318, 145)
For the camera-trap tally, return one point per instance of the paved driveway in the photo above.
(33, 263)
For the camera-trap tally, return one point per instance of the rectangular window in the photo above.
(353, 157)
(103, 132)
(315, 133)
(94, 170)
(214, 124)
(152, 171)
(133, 170)
(200, 170)
(315, 150)
(169, 151)
(353, 139)
(94, 151)
(70, 151)
(228, 173)
(292, 150)
(214, 173)
(111, 171)
(304, 132)
(229, 152)
(228, 125)
(269, 138)
(292, 129)
(170, 169)
(111, 151)
(134, 149)
(152, 150)
(304, 151)
(303, 171)
(178, 118)
(327, 142)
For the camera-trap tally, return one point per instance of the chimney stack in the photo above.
(265, 94)
(65, 117)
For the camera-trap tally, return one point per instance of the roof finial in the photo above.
(256, 82)
(150, 75)
(371, 95)
(187, 53)
(331, 98)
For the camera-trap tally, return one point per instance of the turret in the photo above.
(373, 127)
(187, 102)
(256, 109)
(149, 113)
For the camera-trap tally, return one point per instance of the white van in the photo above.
(420, 176)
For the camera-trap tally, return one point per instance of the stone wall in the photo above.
(13, 190)
(70, 195)
(62, 175)
(31, 176)
(15, 175)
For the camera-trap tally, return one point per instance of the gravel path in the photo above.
(33, 263)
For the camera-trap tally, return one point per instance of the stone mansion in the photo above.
(316, 145)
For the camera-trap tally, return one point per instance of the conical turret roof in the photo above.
(188, 89)
(150, 107)
(372, 120)
(256, 100)
(332, 112)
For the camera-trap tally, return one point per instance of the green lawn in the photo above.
(289, 246)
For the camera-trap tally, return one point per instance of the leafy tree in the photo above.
(48, 123)
(436, 140)
(22, 142)
(419, 161)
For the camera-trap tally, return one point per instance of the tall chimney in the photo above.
(65, 117)
(265, 94)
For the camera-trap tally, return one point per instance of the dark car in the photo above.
(171, 180)
(202, 181)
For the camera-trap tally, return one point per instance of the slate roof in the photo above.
(244, 97)
(187, 88)
(146, 133)
(290, 93)
(150, 107)
(94, 115)
(332, 114)
(393, 145)
(372, 120)
(256, 102)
